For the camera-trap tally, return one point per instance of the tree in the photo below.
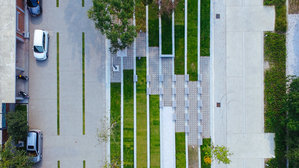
(217, 153)
(13, 158)
(114, 19)
(292, 123)
(17, 126)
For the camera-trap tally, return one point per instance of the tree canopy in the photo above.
(293, 123)
(13, 158)
(114, 19)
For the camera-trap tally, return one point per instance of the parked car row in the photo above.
(40, 52)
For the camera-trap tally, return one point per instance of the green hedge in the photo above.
(180, 149)
(179, 17)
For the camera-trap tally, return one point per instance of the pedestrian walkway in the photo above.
(205, 96)
(153, 70)
(167, 81)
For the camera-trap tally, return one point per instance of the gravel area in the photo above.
(293, 45)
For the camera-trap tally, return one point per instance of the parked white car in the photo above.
(34, 145)
(40, 45)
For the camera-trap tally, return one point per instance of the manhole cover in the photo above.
(217, 16)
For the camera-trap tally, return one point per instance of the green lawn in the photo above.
(115, 93)
(192, 40)
(180, 149)
(179, 17)
(154, 131)
(166, 34)
(153, 25)
(128, 119)
(205, 28)
(141, 113)
(206, 142)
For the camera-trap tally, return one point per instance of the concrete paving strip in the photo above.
(168, 137)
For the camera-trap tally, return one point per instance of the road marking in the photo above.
(84, 164)
(57, 59)
(82, 3)
(57, 3)
(58, 164)
(83, 81)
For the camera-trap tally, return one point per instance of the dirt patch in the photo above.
(293, 6)
(193, 156)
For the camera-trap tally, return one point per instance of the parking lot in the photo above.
(67, 91)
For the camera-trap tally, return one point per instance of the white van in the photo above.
(40, 45)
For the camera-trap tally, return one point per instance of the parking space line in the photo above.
(84, 164)
(57, 3)
(58, 118)
(82, 3)
(58, 164)
(83, 80)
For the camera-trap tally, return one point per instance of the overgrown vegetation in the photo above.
(179, 30)
(17, 126)
(154, 131)
(114, 19)
(141, 105)
(205, 28)
(11, 157)
(115, 93)
(140, 16)
(192, 40)
(275, 83)
(128, 119)
(180, 149)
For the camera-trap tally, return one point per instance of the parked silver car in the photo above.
(34, 145)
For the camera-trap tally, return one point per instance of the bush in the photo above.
(17, 126)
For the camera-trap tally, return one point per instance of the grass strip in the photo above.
(128, 119)
(192, 40)
(180, 150)
(57, 3)
(154, 131)
(141, 113)
(280, 14)
(275, 93)
(153, 25)
(205, 28)
(57, 69)
(58, 164)
(115, 93)
(84, 164)
(83, 82)
(179, 17)
(166, 34)
(275, 82)
(205, 159)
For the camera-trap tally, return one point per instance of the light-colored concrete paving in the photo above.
(293, 45)
(238, 81)
(168, 137)
(70, 147)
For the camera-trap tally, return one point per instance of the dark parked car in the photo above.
(34, 7)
